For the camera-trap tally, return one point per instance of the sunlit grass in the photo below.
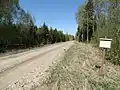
(77, 71)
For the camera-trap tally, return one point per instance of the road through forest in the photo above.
(14, 67)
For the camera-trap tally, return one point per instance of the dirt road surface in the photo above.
(15, 67)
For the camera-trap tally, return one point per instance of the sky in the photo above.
(58, 14)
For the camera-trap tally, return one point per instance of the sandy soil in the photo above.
(23, 70)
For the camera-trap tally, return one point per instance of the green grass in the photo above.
(77, 71)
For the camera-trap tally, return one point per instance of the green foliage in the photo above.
(86, 22)
(17, 29)
(105, 22)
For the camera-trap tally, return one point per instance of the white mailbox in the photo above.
(105, 43)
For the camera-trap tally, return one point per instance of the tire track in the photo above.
(6, 70)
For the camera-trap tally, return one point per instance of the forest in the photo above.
(18, 29)
(100, 18)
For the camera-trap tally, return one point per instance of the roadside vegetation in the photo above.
(18, 29)
(80, 68)
(78, 71)
(100, 18)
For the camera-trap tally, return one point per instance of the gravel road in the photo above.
(22, 71)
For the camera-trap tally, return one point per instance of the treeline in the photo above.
(87, 24)
(100, 18)
(18, 29)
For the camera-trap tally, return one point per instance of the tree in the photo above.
(85, 21)
(45, 33)
(6, 9)
(18, 29)
(103, 20)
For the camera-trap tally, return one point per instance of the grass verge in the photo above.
(78, 71)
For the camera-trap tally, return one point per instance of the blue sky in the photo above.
(58, 14)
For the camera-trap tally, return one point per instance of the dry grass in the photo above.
(77, 71)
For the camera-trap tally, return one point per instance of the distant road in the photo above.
(15, 66)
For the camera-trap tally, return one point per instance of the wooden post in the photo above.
(103, 62)
(102, 71)
(105, 43)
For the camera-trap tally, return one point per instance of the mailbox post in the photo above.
(105, 43)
